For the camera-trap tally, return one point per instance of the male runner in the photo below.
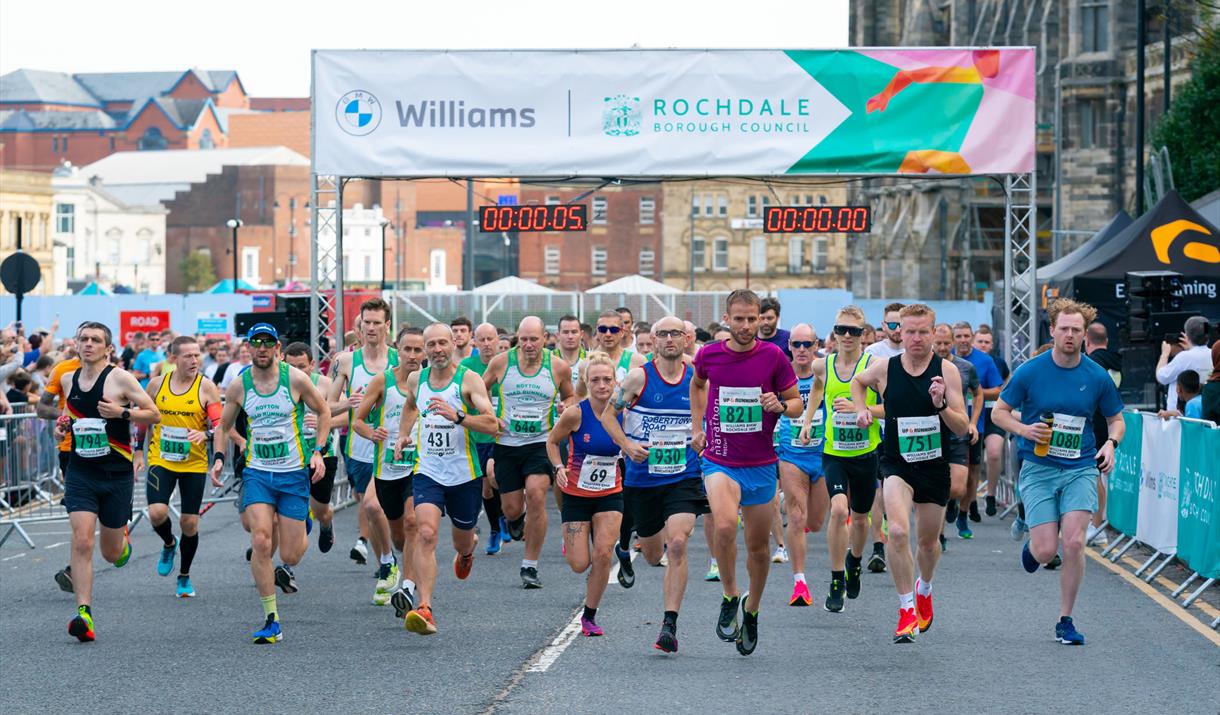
(662, 488)
(50, 406)
(991, 382)
(377, 420)
(569, 346)
(923, 406)
(526, 380)
(609, 337)
(352, 373)
(438, 407)
(278, 470)
(742, 386)
(993, 437)
(487, 342)
(849, 455)
(102, 403)
(300, 356)
(177, 455)
(768, 326)
(962, 451)
(462, 333)
(889, 346)
(627, 337)
(800, 466)
(1058, 479)
(644, 343)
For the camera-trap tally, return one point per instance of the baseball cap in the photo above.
(263, 329)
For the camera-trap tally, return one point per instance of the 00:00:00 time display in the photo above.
(817, 219)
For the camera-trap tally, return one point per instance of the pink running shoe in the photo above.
(800, 595)
(589, 628)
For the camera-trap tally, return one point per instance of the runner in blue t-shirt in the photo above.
(991, 382)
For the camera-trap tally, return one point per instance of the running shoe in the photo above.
(185, 589)
(990, 510)
(975, 516)
(963, 527)
(420, 621)
(529, 577)
(516, 528)
(747, 635)
(1018, 529)
(590, 629)
(286, 579)
(165, 564)
(387, 580)
(1096, 535)
(402, 601)
(493, 546)
(1027, 559)
(726, 625)
(667, 641)
(876, 562)
(462, 565)
(713, 571)
(249, 553)
(504, 535)
(663, 561)
(63, 577)
(851, 581)
(309, 522)
(1102, 540)
(951, 511)
(908, 626)
(834, 597)
(800, 595)
(81, 627)
(126, 555)
(270, 632)
(326, 538)
(360, 552)
(780, 556)
(944, 543)
(626, 573)
(923, 609)
(1055, 563)
(1066, 633)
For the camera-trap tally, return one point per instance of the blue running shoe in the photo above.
(270, 632)
(963, 526)
(1066, 633)
(505, 537)
(165, 564)
(185, 589)
(493, 546)
(1027, 559)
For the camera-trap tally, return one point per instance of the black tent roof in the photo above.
(1067, 264)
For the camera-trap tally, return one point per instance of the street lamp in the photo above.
(384, 223)
(234, 224)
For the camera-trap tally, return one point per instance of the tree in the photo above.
(197, 273)
(1191, 127)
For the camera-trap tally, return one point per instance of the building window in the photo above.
(550, 260)
(751, 206)
(552, 201)
(796, 255)
(55, 145)
(758, 254)
(65, 218)
(599, 209)
(708, 207)
(698, 253)
(368, 267)
(720, 254)
(648, 261)
(249, 265)
(694, 204)
(1094, 25)
(70, 256)
(821, 253)
(206, 141)
(152, 139)
(1092, 126)
(722, 204)
(599, 261)
(64, 144)
(648, 210)
(765, 201)
(111, 143)
(437, 265)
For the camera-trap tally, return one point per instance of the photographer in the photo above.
(1194, 355)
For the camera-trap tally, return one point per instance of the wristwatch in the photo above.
(126, 413)
(461, 417)
(1113, 441)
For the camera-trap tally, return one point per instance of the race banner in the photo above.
(1198, 506)
(1122, 505)
(141, 321)
(1158, 496)
(610, 113)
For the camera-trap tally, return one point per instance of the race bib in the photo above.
(407, 458)
(597, 473)
(919, 438)
(526, 420)
(1067, 435)
(269, 445)
(740, 410)
(440, 438)
(309, 435)
(845, 434)
(667, 453)
(175, 447)
(817, 432)
(89, 437)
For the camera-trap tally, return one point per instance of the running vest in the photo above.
(660, 416)
(843, 437)
(102, 442)
(915, 435)
(276, 443)
(624, 366)
(392, 402)
(445, 451)
(359, 448)
(593, 459)
(789, 431)
(168, 446)
(310, 434)
(527, 402)
(478, 367)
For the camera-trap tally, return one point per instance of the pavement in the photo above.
(506, 650)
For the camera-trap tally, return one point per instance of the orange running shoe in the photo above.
(800, 595)
(420, 621)
(908, 626)
(923, 610)
(462, 565)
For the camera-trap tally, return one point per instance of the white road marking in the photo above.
(57, 543)
(14, 556)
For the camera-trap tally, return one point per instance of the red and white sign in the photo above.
(146, 321)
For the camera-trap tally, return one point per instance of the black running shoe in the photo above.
(63, 577)
(975, 516)
(726, 625)
(326, 538)
(402, 601)
(951, 511)
(852, 576)
(944, 544)
(516, 528)
(249, 553)
(747, 635)
(626, 574)
(285, 579)
(876, 562)
(667, 642)
(834, 597)
(990, 510)
(529, 577)
(1055, 563)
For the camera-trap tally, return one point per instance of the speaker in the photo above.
(1151, 283)
(1153, 305)
(293, 305)
(1157, 326)
(242, 322)
(1145, 305)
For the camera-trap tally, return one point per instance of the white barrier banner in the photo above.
(1158, 498)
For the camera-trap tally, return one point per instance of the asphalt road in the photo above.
(503, 649)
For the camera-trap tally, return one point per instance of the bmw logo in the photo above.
(358, 113)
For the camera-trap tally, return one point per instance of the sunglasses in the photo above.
(892, 326)
(801, 343)
(670, 333)
(263, 342)
(612, 329)
(852, 330)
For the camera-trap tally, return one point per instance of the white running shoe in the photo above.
(780, 556)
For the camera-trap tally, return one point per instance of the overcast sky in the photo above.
(268, 42)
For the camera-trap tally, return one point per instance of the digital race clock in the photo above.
(553, 217)
(817, 219)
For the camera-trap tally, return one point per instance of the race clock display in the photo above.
(817, 219)
(553, 217)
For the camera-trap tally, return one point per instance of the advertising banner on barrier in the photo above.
(1198, 505)
(1158, 497)
(673, 112)
(1123, 503)
(141, 321)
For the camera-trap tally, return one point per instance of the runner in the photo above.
(278, 471)
(800, 465)
(609, 337)
(627, 337)
(962, 451)
(177, 455)
(1057, 393)
(993, 437)
(487, 342)
(569, 346)
(644, 343)
(592, 482)
(849, 455)
(742, 386)
(923, 406)
(438, 413)
(102, 403)
(889, 346)
(50, 406)
(526, 381)
(768, 327)
(662, 489)
(299, 355)
(352, 373)
(462, 333)
(991, 382)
